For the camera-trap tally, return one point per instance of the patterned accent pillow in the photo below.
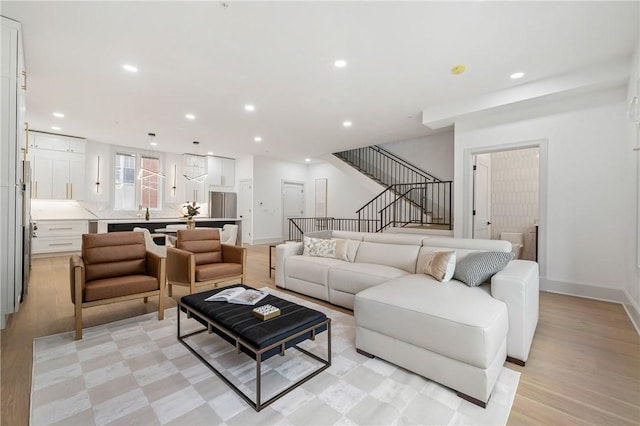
(476, 268)
(319, 247)
(440, 265)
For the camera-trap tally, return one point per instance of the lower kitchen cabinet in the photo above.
(54, 236)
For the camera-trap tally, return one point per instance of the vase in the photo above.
(191, 223)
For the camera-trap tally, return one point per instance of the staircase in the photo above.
(412, 196)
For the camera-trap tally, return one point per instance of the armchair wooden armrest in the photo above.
(155, 265)
(181, 266)
(76, 278)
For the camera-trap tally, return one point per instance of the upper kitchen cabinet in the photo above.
(222, 172)
(57, 142)
(58, 166)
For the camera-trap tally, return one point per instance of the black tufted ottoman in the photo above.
(257, 338)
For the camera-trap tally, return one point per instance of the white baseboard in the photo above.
(633, 310)
(272, 240)
(588, 291)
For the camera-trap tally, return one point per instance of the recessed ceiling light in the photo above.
(257, 139)
(210, 153)
(307, 159)
(130, 68)
(517, 75)
(190, 117)
(55, 128)
(340, 63)
(346, 123)
(58, 114)
(153, 143)
(249, 107)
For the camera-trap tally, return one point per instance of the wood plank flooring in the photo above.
(584, 366)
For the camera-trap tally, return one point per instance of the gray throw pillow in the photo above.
(476, 268)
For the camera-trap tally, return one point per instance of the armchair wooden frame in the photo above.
(181, 268)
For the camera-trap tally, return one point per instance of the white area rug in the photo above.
(135, 371)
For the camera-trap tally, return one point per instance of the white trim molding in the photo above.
(587, 291)
(633, 310)
(467, 191)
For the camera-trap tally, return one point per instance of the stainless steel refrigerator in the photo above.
(223, 205)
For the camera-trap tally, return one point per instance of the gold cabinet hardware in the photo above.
(26, 139)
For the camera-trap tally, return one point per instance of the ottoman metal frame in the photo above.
(240, 343)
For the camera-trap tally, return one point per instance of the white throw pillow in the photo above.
(440, 265)
(341, 248)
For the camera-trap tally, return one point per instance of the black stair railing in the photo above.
(298, 226)
(417, 204)
(427, 197)
(384, 166)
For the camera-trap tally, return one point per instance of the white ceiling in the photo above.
(210, 60)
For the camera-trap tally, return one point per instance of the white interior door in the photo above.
(293, 202)
(246, 210)
(482, 197)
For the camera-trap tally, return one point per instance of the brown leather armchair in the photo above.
(115, 267)
(199, 259)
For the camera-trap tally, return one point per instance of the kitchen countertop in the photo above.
(160, 219)
(59, 210)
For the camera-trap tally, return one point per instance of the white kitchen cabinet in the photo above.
(57, 175)
(41, 174)
(222, 172)
(13, 274)
(55, 142)
(55, 236)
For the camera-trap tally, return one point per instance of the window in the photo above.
(149, 177)
(141, 190)
(125, 189)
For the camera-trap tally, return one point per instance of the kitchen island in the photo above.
(116, 225)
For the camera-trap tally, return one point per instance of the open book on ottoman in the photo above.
(238, 295)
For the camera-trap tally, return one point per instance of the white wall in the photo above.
(174, 175)
(587, 226)
(268, 174)
(99, 197)
(344, 195)
(632, 167)
(244, 168)
(433, 154)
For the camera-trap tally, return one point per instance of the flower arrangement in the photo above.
(189, 210)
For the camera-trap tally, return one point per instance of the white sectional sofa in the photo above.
(447, 331)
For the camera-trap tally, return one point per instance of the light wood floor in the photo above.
(584, 366)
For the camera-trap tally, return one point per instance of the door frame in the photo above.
(285, 233)
(248, 231)
(474, 203)
(543, 190)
